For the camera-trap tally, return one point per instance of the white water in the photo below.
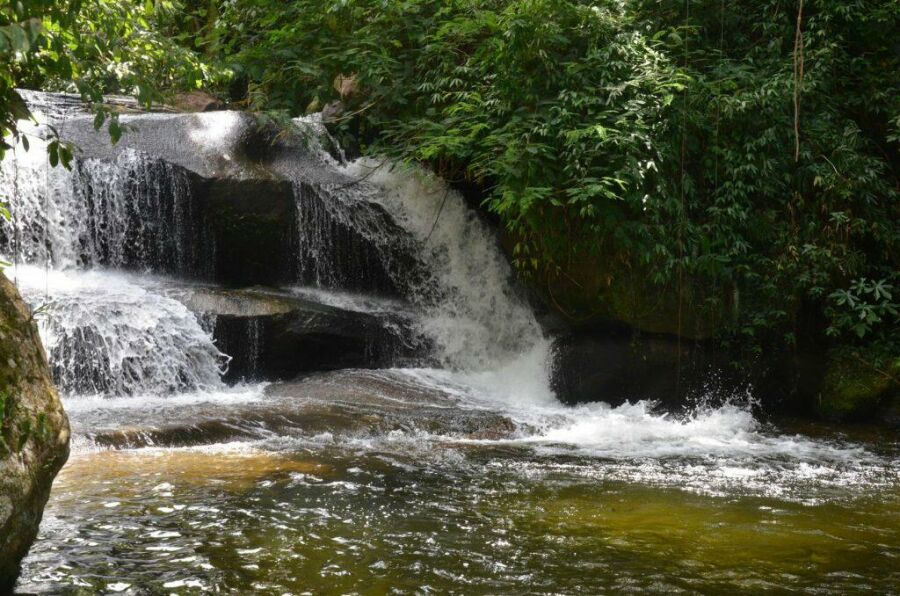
(106, 334)
(484, 330)
(107, 213)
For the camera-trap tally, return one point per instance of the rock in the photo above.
(332, 111)
(378, 402)
(252, 224)
(276, 335)
(238, 200)
(612, 290)
(618, 367)
(361, 403)
(34, 432)
(853, 390)
(196, 101)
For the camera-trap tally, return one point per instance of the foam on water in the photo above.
(105, 334)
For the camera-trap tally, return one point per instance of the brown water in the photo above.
(393, 500)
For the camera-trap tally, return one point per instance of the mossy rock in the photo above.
(855, 391)
(613, 289)
(34, 432)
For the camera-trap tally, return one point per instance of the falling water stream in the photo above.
(451, 469)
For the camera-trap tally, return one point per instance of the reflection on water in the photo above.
(367, 482)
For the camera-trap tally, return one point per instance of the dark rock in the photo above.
(614, 364)
(235, 199)
(275, 335)
(619, 367)
(614, 369)
(252, 224)
(34, 433)
(346, 402)
(366, 250)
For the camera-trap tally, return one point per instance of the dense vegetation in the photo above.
(736, 163)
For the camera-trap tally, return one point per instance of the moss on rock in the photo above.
(34, 430)
(853, 389)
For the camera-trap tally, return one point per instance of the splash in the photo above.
(105, 334)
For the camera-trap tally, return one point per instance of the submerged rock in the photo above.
(34, 432)
(364, 404)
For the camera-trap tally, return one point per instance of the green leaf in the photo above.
(53, 153)
(115, 130)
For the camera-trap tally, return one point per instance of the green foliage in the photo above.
(862, 308)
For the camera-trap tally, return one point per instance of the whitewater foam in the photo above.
(106, 334)
(481, 326)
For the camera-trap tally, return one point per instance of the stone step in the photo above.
(276, 335)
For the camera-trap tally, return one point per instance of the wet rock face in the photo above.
(588, 369)
(275, 335)
(236, 200)
(623, 367)
(34, 432)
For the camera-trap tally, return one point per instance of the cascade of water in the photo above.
(105, 334)
(134, 212)
(346, 242)
(478, 320)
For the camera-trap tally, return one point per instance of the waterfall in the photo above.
(175, 197)
(168, 199)
(105, 334)
(132, 212)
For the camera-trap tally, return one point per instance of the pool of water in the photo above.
(371, 483)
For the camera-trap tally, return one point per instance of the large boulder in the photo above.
(615, 290)
(618, 365)
(34, 432)
(234, 198)
(615, 368)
